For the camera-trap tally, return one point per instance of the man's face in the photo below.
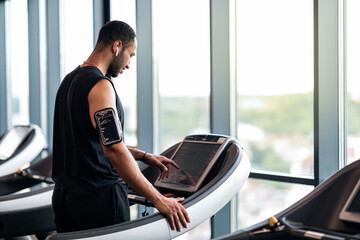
(122, 61)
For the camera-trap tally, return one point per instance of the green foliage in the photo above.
(266, 158)
(182, 116)
(286, 114)
(291, 114)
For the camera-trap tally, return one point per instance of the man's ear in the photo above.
(117, 47)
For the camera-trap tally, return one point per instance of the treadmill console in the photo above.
(351, 209)
(195, 155)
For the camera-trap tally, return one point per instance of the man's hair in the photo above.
(113, 31)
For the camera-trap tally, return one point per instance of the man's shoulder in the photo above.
(84, 76)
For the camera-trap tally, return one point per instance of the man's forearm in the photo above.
(136, 153)
(128, 170)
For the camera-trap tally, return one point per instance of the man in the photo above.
(91, 163)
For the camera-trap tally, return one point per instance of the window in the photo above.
(352, 77)
(76, 31)
(125, 83)
(19, 62)
(183, 48)
(275, 84)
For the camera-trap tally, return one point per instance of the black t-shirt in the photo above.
(79, 163)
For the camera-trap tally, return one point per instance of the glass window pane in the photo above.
(125, 84)
(261, 199)
(275, 79)
(76, 31)
(19, 62)
(183, 68)
(352, 76)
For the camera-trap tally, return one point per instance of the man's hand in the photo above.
(163, 163)
(169, 207)
(173, 211)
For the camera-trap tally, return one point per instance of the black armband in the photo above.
(108, 126)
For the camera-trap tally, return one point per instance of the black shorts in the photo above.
(75, 212)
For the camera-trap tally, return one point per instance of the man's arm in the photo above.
(100, 97)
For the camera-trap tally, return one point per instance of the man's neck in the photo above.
(98, 60)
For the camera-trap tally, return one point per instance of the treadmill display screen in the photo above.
(195, 159)
(11, 141)
(351, 209)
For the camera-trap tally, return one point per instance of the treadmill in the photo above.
(330, 211)
(19, 146)
(224, 178)
(25, 200)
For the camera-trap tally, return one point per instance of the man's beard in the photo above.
(114, 67)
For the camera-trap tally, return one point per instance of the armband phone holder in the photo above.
(108, 126)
